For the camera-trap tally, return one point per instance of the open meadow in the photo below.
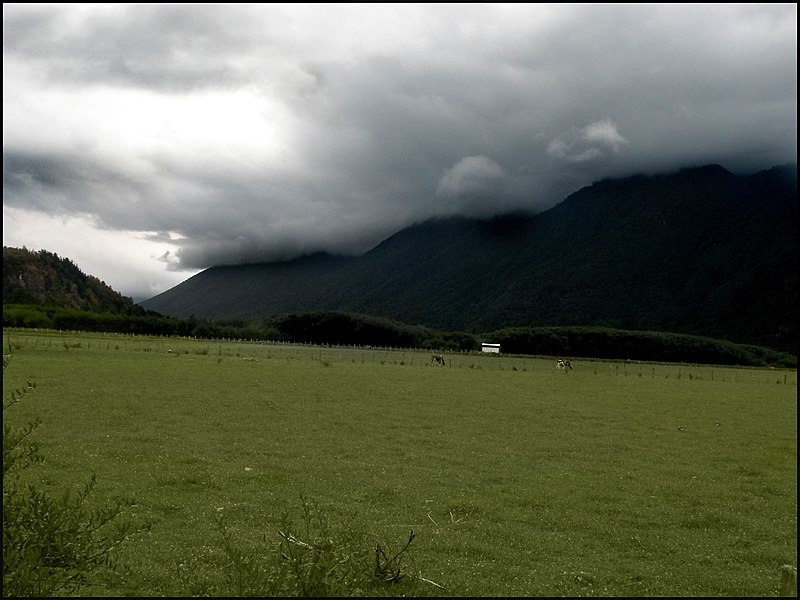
(518, 479)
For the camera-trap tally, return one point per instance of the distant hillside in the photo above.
(43, 278)
(700, 251)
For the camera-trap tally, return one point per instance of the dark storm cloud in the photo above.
(165, 47)
(245, 133)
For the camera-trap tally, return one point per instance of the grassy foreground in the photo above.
(616, 479)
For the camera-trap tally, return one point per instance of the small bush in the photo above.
(311, 558)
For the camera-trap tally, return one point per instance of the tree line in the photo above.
(342, 328)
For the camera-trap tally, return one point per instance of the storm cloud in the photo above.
(219, 134)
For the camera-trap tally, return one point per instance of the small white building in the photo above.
(494, 348)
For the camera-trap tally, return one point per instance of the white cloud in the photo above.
(604, 132)
(470, 175)
(587, 143)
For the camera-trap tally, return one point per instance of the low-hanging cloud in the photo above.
(471, 176)
(587, 143)
(244, 133)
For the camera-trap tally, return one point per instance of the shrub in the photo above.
(311, 558)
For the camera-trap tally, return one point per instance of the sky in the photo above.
(147, 142)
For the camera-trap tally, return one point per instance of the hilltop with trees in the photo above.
(43, 278)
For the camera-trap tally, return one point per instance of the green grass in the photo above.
(611, 479)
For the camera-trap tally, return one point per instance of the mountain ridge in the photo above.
(699, 251)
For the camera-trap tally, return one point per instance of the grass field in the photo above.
(613, 479)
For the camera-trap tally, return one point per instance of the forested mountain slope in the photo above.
(700, 251)
(43, 278)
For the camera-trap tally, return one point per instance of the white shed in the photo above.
(487, 347)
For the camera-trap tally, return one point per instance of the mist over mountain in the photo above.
(700, 251)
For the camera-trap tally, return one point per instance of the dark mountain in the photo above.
(700, 251)
(43, 278)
